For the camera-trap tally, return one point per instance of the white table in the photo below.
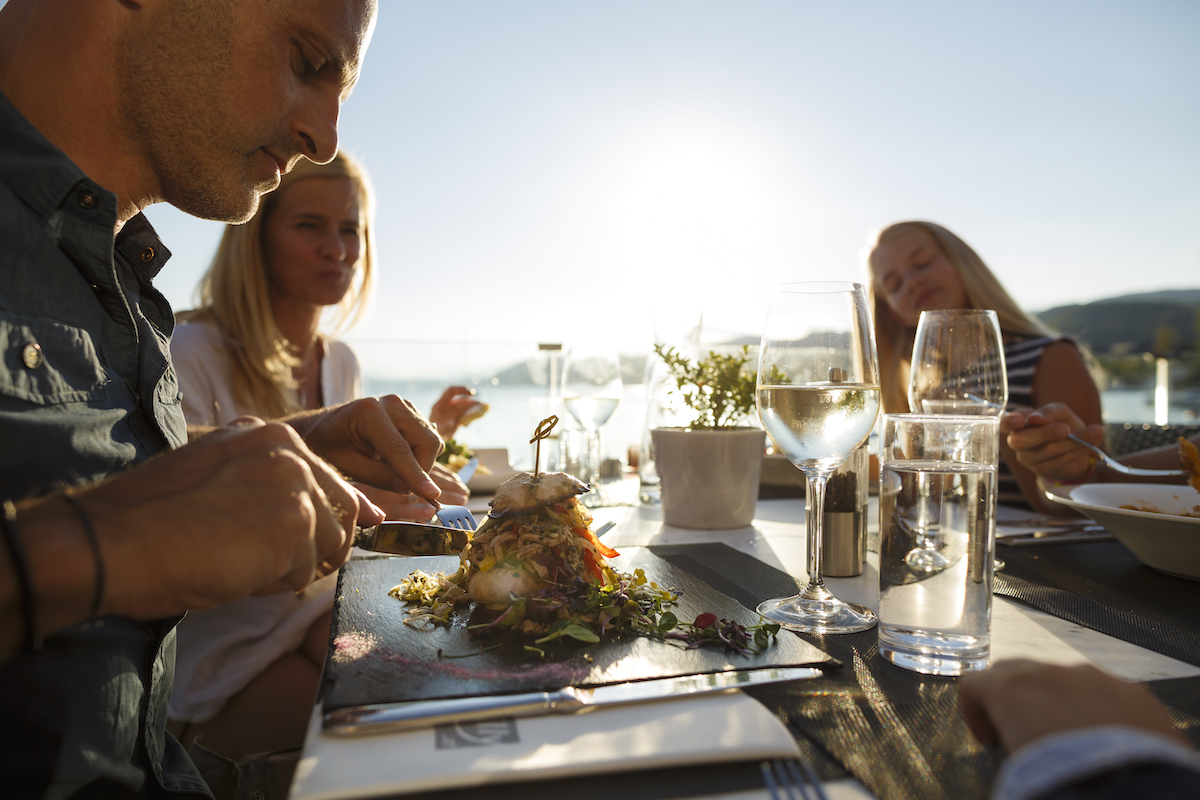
(777, 538)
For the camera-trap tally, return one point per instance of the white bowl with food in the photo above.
(1160, 523)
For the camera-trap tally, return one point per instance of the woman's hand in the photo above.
(1039, 440)
(448, 411)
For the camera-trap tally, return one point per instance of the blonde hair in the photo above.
(983, 291)
(234, 293)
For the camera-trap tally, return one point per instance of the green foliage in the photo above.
(1129, 370)
(718, 389)
(1128, 326)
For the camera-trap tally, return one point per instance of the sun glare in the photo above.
(694, 212)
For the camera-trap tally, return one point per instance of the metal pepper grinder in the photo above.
(844, 522)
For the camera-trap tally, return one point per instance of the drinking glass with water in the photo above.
(937, 490)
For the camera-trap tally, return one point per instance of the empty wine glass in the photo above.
(818, 397)
(591, 391)
(958, 364)
(957, 368)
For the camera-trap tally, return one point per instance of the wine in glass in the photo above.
(591, 391)
(957, 368)
(818, 397)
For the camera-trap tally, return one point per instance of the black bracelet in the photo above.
(98, 592)
(12, 536)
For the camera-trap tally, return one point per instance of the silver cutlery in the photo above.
(1045, 522)
(1087, 533)
(792, 779)
(402, 538)
(456, 517)
(1117, 466)
(416, 714)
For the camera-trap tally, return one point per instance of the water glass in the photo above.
(937, 490)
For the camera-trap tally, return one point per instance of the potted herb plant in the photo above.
(709, 469)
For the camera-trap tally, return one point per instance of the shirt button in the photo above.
(147, 255)
(87, 200)
(32, 355)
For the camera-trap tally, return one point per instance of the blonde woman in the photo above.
(921, 266)
(247, 672)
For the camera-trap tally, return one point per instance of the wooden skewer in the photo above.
(542, 432)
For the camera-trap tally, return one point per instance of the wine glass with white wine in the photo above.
(957, 368)
(591, 391)
(818, 398)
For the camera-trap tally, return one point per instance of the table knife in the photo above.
(393, 717)
(412, 539)
(1085, 533)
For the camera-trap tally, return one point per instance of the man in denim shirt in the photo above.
(108, 107)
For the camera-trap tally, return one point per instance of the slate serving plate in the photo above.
(376, 658)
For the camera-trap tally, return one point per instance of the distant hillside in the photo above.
(1182, 297)
(1163, 322)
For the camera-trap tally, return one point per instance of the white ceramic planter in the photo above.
(709, 479)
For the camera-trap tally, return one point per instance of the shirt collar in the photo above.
(34, 170)
(43, 177)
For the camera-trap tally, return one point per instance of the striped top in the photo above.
(1020, 363)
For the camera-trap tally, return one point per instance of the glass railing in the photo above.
(513, 378)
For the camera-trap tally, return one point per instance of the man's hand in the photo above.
(1016, 702)
(381, 441)
(454, 491)
(411, 508)
(246, 509)
(1039, 439)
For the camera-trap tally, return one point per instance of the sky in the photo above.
(567, 171)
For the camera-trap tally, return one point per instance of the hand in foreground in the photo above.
(380, 441)
(1016, 702)
(246, 509)
(448, 412)
(1039, 439)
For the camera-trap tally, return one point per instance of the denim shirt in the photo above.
(86, 390)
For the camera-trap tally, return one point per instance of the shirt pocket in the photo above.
(46, 362)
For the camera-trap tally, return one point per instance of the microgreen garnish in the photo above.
(586, 612)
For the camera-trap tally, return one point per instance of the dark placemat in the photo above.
(898, 732)
(1103, 586)
(379, 659)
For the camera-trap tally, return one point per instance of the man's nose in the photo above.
(315, 125)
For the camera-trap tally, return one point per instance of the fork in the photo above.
(1117, 466)
(791, 779)
(457, 517)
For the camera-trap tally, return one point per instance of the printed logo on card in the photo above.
(476, 734)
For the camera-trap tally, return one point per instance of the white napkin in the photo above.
(725, 726)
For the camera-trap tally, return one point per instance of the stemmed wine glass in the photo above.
(591, 391)
(958, 364)
(957, 368)
(818, 397)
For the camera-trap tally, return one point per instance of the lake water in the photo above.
(516, 411)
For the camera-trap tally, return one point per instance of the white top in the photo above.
(222, 649)
(205, 369)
